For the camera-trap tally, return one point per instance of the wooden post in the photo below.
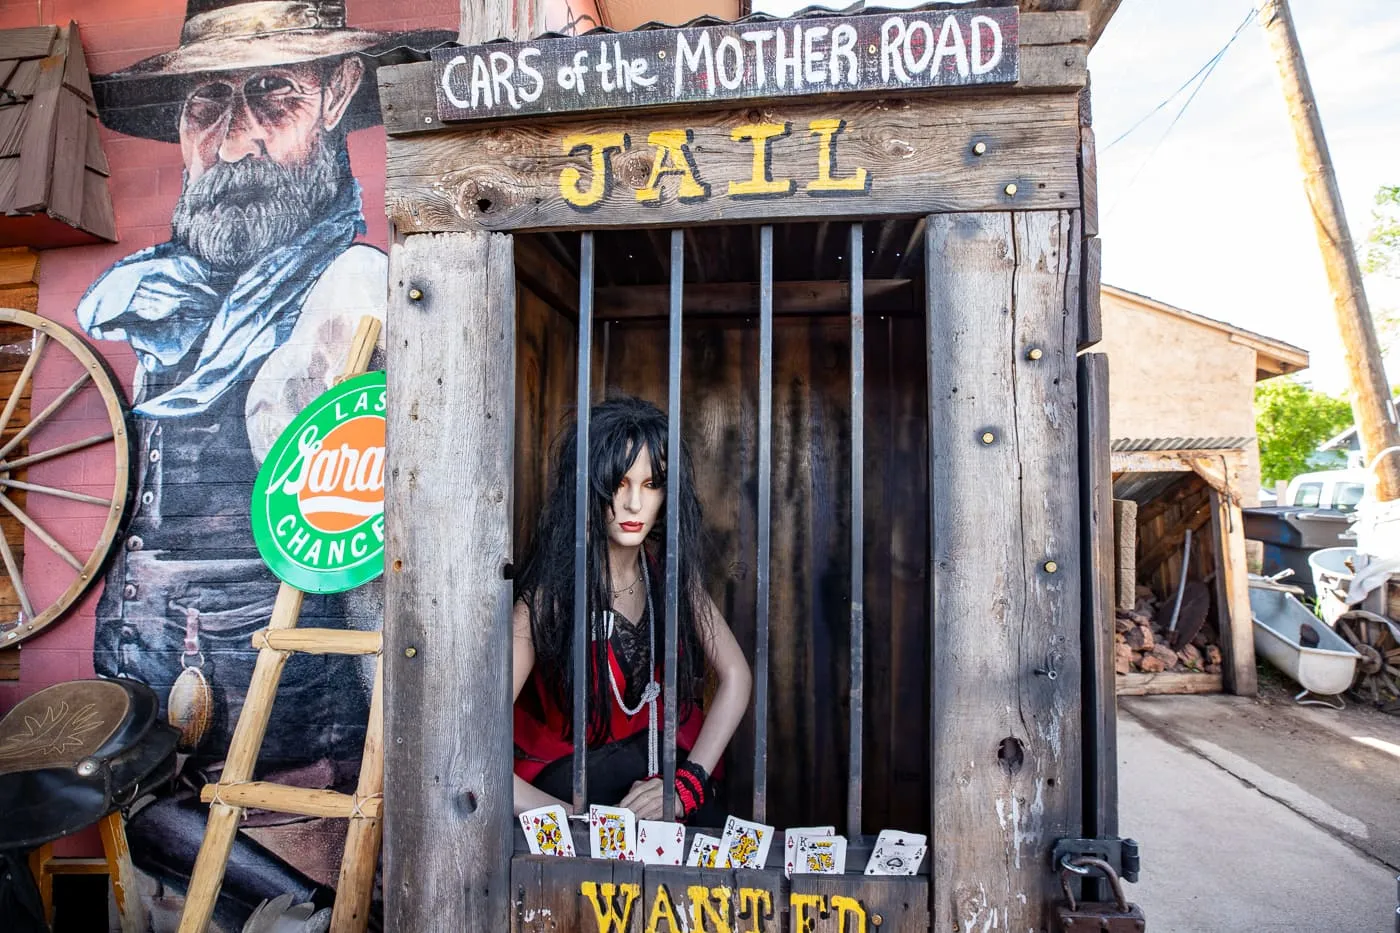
(1237, 636)
(131, 911)
(1005, 749)
(447, 604)
(1370, 392)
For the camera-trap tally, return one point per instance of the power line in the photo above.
(1200, 78)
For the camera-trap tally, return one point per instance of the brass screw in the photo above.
(988, 437)
(877, 919)
(873, 50)
(979, 149)
(410, 652)
(1051, 566)
(1034, 353)
(415, 294)
(1011, 190)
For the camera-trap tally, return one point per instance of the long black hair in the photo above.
(619, 429)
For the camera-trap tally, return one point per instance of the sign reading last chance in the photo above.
(659, 67)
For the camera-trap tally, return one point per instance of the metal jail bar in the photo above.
(674, 462)
(765, 516)
(579, 661)
(856, 766)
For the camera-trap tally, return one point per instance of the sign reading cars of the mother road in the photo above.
(318, 503)
(891, 52)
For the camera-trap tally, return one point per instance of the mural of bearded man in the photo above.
(237, 322)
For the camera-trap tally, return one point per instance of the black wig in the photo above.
(618, 430)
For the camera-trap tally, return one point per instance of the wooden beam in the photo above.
(1237, 631)
(1090, 290)
(1125, 513)
(19, 265)
(447, 605)
(1005, 568)
(1168, 682)
(728, 298)
(918, 156)
(544, 275)
(1070, 27)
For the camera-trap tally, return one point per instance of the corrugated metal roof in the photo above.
(1144, 487)
(1126, 444)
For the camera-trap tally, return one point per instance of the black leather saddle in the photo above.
(74, 752)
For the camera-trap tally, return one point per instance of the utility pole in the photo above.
(1370, 392)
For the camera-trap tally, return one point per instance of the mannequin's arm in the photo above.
(527, 795)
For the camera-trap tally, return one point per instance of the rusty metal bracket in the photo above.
(1122, 854)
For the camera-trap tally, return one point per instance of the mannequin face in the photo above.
(635, 504)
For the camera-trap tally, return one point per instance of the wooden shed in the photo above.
(859, 280)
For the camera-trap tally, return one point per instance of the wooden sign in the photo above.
(802, 160)
(597, 896)
(896, 52)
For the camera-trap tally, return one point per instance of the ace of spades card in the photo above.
(821, 855)
(660, 843)
(547, 831)
(748, 843)
(612, 833)
(791, 839)
(897, 853)
(708, 852)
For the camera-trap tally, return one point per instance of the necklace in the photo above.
(652, 692)
(629, 587)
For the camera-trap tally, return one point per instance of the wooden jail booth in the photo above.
(854, 259)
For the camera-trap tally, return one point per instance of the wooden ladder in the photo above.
(236, 791)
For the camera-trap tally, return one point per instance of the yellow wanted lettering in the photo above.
(603, 898)
(706, 917)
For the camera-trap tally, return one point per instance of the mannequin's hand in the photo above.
(644, 799)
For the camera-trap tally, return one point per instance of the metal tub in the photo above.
(1278, 619)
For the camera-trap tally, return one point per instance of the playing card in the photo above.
(821, 855)
(895, 860)
(793, 836)
(660, 843)
(612, 833)
(748, 843)
(893, 837)
(708, 852)
(547, 831)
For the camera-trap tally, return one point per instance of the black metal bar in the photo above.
(765, 523)
(673, 529)
(856, 773)
(579, 661)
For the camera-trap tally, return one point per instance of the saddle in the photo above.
(74, 752)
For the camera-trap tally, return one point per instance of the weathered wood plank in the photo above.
(1005, 736)
(1091, 305)
(1063, 28)
(721, 298)
(1125, 552)
(66, 189)
(9, 657)
(1089, 181)
(1167, 682)
(37, 145)
(905, 156)
(27, 42)
(1054, 67)
(19, 265)
(450, 423)
(846, 903)
(1097, 510)
(1237, 632)
(553, 895)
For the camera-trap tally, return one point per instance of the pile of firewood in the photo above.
(1143, 644)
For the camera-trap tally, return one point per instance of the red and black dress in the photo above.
(544, 756)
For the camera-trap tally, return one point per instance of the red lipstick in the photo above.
(630, 527)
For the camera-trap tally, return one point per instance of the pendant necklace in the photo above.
(652, 692)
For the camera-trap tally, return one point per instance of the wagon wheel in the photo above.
(74, 455)
(1378, 672)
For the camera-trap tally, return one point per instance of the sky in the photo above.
(1210, 215)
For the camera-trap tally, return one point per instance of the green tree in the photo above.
(1381, 256)
(1291, 419)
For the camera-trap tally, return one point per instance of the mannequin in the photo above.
(627, 518)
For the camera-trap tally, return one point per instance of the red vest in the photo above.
(539, 743)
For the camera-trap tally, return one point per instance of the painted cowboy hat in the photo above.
(230, 35)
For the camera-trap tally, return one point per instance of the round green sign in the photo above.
(318, 503)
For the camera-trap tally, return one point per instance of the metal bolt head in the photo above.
(87, 767)
(877, 919)
(988, 437)
(1034, 353)
(979, 149)
(410, 652)
(415, 294)
(1011, 190)
(1051, 566)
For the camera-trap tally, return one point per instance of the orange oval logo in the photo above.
(345, 478)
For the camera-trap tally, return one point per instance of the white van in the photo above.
(1328, 489)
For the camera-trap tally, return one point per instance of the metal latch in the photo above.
(1074, 916)
(1122, 854)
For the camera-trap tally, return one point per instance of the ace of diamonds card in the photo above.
(660, 843)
